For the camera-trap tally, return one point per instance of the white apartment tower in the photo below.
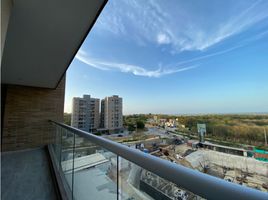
(85, 113)
(94, 113)
(112, 113)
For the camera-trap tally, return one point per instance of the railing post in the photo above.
(60, 145)
(73, 166)
(117, 175)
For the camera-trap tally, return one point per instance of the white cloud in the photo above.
(210, 55)
(163, 39)
(128, 68)
(238, 23)
(217, 53)
(178, 24)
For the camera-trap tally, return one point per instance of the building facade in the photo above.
(94, 113)
(85, 113)
(112, 113)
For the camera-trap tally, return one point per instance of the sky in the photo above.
(176, 57)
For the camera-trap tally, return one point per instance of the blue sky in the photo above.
(176, 57)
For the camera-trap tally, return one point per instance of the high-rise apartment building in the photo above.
(85, 113)
(94, 113)
(112, 113)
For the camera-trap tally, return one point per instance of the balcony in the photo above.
(80, 165)
(50, 160)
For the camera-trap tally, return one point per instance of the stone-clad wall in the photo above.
(26, 114)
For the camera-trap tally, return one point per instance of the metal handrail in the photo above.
(201, 184)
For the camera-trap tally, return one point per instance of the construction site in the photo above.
(238, 169)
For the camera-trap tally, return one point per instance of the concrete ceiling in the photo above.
(43, 37)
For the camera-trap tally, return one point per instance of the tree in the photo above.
(67, 119)
(131, 127)
(140, 125)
